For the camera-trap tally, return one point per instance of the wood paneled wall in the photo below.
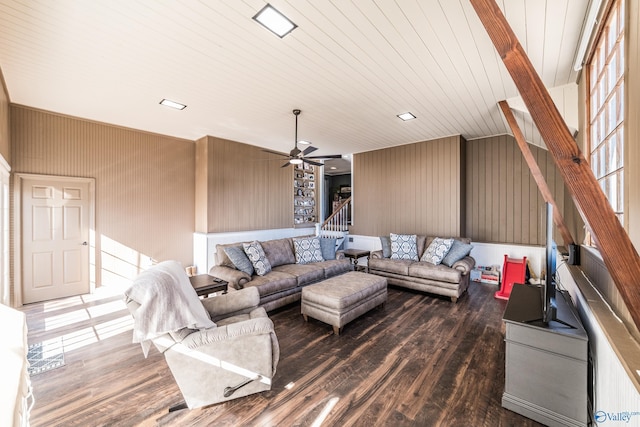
(503, 201)
(144, 185)
(246, 188)
(202, 185)
(481, 189)
(415, 188)
(5, 143)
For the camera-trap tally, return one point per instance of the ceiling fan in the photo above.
(297, 156)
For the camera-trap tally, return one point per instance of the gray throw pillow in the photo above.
(458, 251)
(328, 247)
(386, 246)
(256, 255)
(239, 259)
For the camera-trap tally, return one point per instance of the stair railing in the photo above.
(338, 221)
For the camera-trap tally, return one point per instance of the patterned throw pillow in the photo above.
(437, 250)
(404, 246)
(239, 259)
(307, 250)
(328, 247)
(256, 255)
(385, 241)
(458, 251)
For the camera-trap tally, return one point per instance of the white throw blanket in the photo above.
(168, 303)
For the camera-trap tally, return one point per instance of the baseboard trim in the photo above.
(538, 413)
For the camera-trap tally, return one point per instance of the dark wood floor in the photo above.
(420, 361)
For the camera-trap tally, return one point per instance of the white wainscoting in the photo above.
(485, 254)
(615, 396)
(204, 244)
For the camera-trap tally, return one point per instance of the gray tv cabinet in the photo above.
(545, 365)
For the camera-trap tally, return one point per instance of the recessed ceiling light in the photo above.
(303, 142)
(274, 21)
(173, 104)
(406, 116)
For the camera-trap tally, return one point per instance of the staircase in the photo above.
(337, 225)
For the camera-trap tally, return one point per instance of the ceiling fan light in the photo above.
(303, 142)
(274, 21)
(295, 161)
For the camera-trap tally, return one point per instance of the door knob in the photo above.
(84, 243)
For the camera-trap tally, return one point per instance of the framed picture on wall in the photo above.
(311, 184)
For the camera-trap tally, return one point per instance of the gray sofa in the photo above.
(283, 285)
(423, 276)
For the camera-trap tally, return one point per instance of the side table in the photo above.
(205, 284)
(354, 254)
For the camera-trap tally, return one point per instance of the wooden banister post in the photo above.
(536, 172)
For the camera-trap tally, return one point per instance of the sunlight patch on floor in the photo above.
(65, 319)
(54, 305)
(114, 327)
(106, 308)
(325, 412)
(104, 292)
(93, 334)
(89, 310)
(82, 314)
(79, 339)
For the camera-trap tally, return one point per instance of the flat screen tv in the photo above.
(549, 287)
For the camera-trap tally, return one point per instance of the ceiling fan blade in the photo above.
(330, 156)
(304, 159)
(309, 149)
(285, 165)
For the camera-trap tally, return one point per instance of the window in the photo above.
(606, 108)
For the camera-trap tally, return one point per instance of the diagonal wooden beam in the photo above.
(536, 172)
(612, 240)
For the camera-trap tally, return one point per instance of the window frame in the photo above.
(606, 91)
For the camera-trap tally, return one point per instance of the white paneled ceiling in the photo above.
(350, 66)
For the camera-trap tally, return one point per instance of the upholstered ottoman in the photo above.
(340, 299)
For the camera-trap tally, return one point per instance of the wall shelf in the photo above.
(305, 192)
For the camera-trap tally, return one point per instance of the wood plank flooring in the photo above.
(420, 361)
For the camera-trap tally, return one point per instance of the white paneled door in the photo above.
(55, 221)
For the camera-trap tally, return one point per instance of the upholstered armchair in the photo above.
(218, 348)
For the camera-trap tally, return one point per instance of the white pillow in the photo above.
(308, 250)
(404, 246)
(437, 250)
(258, 258)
